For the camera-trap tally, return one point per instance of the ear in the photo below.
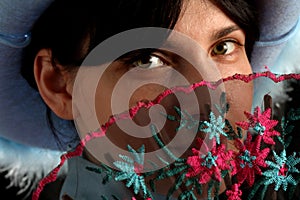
(53, 84)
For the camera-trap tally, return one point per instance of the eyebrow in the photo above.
(224, 31)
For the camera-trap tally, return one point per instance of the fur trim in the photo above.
(25, 166)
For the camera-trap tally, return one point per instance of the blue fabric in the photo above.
(15, 40)
(81, 183)
(84, 184)
(287, 61)
(23, 116)
(28, 147)
(278, 19)
(279, 22)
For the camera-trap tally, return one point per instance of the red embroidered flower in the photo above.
(208, 164)
(235, 193)
(249, 159)
(261, 124)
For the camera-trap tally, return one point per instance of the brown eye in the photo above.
(223, 48)
(148, 62)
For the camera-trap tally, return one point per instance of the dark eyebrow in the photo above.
(224, 31)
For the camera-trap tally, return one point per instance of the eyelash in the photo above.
(234, 42)
(151, 61)
(136, 59)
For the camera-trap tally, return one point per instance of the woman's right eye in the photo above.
(148, 62)
(225, 47)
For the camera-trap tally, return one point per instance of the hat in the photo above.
(23, 115)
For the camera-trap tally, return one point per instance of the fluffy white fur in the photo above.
(25, 166)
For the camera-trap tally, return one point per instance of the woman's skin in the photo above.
(220, 38)
(208, 27)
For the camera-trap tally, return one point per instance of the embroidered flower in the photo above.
(249, 159)
(261, 124)
(215, 127)
(185, 119)
(235, 193)
(208, 164)
(131, 170)
(280, 174)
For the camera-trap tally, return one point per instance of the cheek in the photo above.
(102, 103)
(146, 93)
(240, 66)
(118, 91)
(239, 97)
(103, 96)
(109, 101)
(239, 93)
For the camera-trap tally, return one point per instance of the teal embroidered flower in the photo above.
(247, 158)
(185, 119)
(260, 129)
(209, 160)
(131, 170)
(280, 174)
(215, 127)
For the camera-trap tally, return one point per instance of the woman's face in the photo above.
(221, 41)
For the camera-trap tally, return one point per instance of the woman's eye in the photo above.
(148, 62)
(224, 47)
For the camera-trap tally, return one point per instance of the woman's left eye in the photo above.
(148, 62)
(225, 47)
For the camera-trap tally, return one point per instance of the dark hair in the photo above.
(67, 25)
(243, 13)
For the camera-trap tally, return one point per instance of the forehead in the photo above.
(200, 19)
